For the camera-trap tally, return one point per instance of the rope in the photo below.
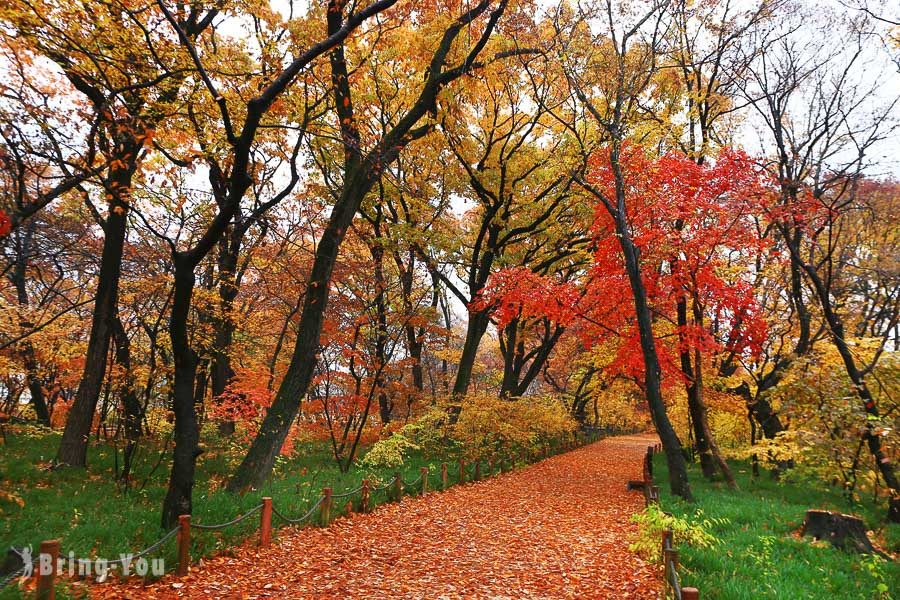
(350, 493)
(413, 483)
(300, 519)
(15, 575)
(234, 521)
(127, 558)
(673, 571)
(155, 545)
(385, 486)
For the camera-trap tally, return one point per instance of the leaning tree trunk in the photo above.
(257, 464)
(360, 175)
(678, 478)
(73, 447)
(872, 438)
(475, 330)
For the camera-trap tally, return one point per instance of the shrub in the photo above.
(388, 453)
(652, 522)
(489, 425)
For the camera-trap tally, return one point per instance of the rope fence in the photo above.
(324, 505)
(234, 521)
(671, 581)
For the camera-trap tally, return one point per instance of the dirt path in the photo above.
(557, 529)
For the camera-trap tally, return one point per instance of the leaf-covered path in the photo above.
(556, 529)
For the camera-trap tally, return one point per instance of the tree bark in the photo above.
(257, 464)
(361, 172)
(133, 413)
(678, 478)
(187, 435)
(222, 371)
(74, 443)
(857, 377)
(19, 274)
(475, 330)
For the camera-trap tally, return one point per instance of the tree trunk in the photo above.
(257, 464)
(19, 277)
(181, 480)
(475, 330)
(714, 452)
(678, 478)
(385, 406)
(35, 386)
(222, 371)
(73, 447)
(133, 412)
(695, 405)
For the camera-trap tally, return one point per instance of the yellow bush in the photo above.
(489, 425)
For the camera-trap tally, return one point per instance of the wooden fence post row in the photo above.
(424, 472)
(265, 523)
(398, 486)
(184, 545)
(45, 582)
(364, 496)
(325, 507)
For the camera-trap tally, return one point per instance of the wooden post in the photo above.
(265, 523)
(462, 470)
(671, 558)
(478, 470)
(184, 545)
(326, 506)
(45, 580)
(666, 555)
(654, 494)
(398, 485)
(364, 499)
(424, 472)
(690, 594)
(491, 467)
(443, 476)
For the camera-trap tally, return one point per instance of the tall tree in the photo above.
(362, 170)
(626, 50)
(823, 124)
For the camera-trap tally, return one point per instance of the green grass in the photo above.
(760, 554)
(95, 517)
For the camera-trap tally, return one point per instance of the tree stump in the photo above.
(841, 531)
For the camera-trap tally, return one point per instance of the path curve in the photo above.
(556, 529)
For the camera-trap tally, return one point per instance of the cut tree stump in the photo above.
(842, 531)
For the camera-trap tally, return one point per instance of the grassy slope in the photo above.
(95, 518)
(760, 555)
